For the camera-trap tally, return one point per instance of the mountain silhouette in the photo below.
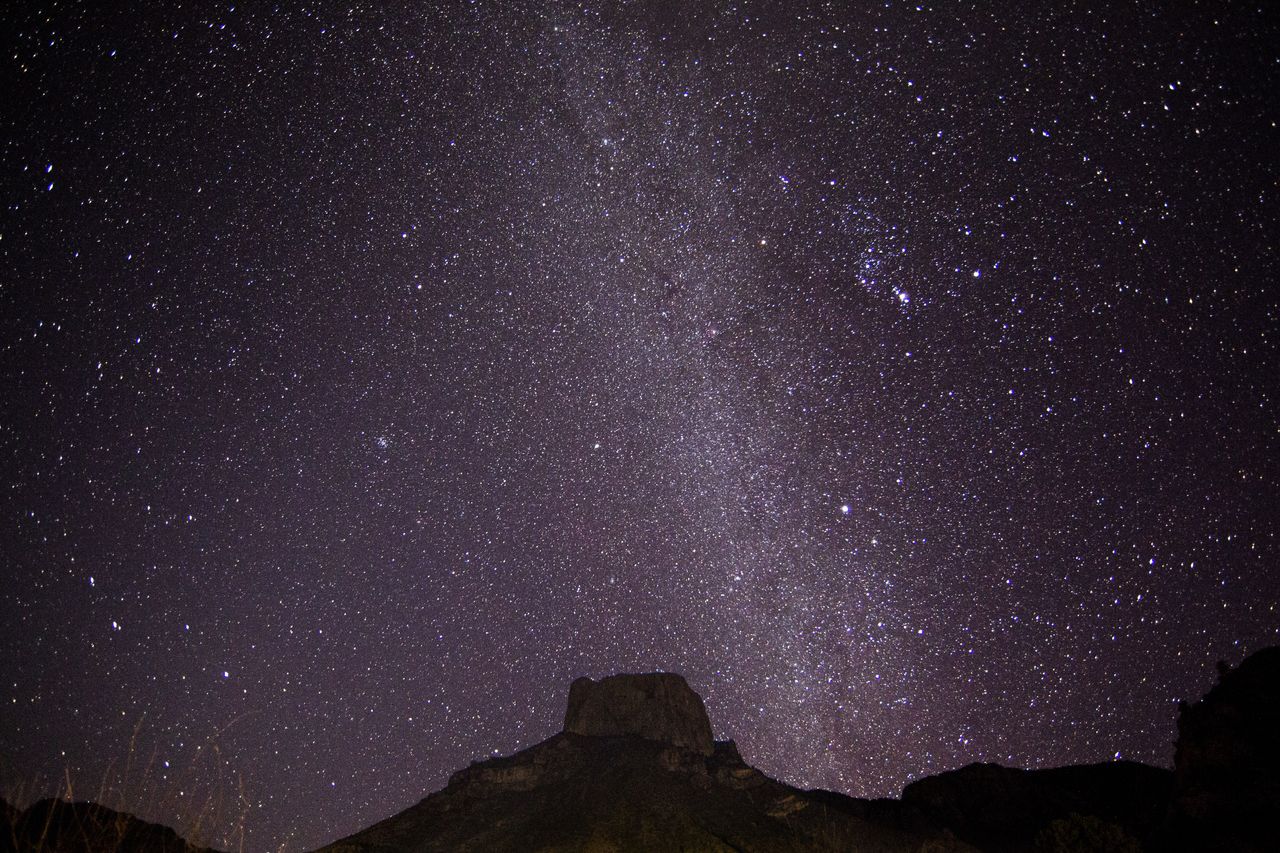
(636, 768)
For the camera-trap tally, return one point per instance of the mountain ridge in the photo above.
(636, 769)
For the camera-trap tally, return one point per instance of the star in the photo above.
(904, 259)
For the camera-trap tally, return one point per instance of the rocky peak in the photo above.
(656, 706)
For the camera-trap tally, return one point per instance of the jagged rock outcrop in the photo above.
(656, 706)
(59, 826)
(1227, 762)
(635, 770)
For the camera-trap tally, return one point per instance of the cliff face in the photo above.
(658, 706)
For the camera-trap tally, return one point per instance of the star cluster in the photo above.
(904, 375)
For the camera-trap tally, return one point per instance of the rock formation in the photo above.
(635, 769)
(658, 706)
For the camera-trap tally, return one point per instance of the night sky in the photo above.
(904, 375)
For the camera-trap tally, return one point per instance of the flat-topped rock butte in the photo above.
(655, 706)
(634, 769)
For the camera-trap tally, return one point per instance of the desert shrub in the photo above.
(1085, 834)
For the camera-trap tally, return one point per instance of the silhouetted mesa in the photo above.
(659, 706)
(635, 769)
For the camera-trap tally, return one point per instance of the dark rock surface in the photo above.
(656, 706)
(1006, 809)
(59, 826)
(1227, 762)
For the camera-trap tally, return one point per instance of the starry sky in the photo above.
(904, 375)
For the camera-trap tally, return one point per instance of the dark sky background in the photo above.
(904, 375)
